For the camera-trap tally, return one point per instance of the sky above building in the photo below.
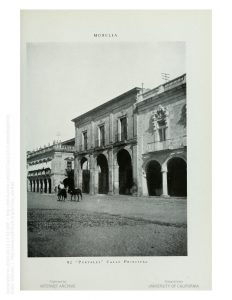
(65, 80)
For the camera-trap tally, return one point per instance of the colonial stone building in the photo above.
(162, 140)
(106, 146)
(134, 143)
(49, 165)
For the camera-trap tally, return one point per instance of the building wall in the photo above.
(55, 167)
(110, 121)
(150, 148)
(108, 116)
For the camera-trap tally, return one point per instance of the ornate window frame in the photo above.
(159, 115)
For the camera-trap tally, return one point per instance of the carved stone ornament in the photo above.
(159, 115)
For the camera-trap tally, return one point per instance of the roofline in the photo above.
(110, 102)
(69, 140)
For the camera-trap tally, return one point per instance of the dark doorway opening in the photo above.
(125, 172)
(177, 177)
(154, 178)
(85, 175)
(103, 175)
(45, 185)
(49, 185)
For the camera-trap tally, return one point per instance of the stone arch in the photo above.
(154, 178)
(124, 161)
(103, 174)
(177, 176)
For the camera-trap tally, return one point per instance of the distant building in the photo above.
(135, 143)
(49, 165)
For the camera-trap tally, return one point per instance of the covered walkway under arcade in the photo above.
(105, 172)
(168, 179)
(40, 183)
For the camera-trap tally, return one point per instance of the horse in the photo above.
(75, 192)
(62, 194)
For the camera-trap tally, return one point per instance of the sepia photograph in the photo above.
(118, 185)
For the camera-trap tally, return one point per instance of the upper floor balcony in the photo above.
(175, 143)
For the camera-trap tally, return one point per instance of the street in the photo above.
(103, 225)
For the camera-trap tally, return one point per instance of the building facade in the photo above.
(106, 146)
(162, 140)
(135, 143)
(48, 166)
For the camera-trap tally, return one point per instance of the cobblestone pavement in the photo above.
(105, 225)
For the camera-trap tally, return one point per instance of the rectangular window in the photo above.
(162, 133)
(102, 135)
(123, 125)
(84, 140)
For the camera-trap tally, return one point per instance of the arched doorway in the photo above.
(125, 172)
(45, 185)
(33, 185)
(177, 177)
(154, 178)
(85, 175)
(103, 175)
(31, 190)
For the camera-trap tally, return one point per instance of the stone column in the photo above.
(95, 180)
(47, 181)
(80, 178)
(35, 185)
(76, 172)
(92, 175)
(111, 168)
(164, 181)
(144, 183)
(134, 165)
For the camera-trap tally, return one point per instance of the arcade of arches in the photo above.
(103, 174)
(171, 180)
(114, 173)
(40, 185)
